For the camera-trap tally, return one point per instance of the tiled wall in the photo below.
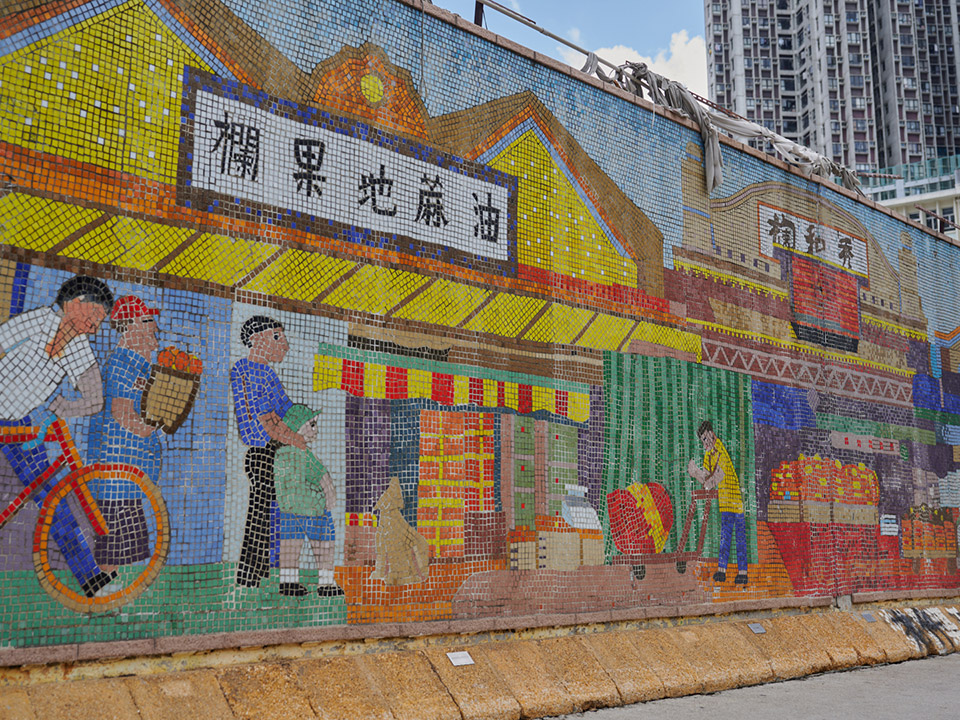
(378, 321)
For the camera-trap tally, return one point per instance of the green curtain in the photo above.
(653, 407)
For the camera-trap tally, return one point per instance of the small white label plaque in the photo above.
(869, 616)
(460, 658)
(758, 629)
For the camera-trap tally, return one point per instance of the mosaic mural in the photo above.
(336, 314)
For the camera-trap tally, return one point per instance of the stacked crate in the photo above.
(456, 476)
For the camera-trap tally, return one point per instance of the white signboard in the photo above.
(307, 166)
(808, 237)
(889, 525)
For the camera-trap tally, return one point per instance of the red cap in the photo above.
(130, 307)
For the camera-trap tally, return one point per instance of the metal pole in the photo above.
(533, 26)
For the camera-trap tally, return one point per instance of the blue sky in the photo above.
(667, 36)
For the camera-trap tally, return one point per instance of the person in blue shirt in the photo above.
(119, 435)
(260, 402)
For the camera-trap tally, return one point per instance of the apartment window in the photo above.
(788, 85)
(908, 60)
(907, 40)
(905, 18)
(853, 38)
(915, 148)
(829, 40)
(860, 125)
(858, 103)
(746, 20)
(748, 62)
(838, 149)
(927, 109)
(789, 105)
(855, 59)
(785, 43)
(763, 42)
(909, 83)
(834, 105)
(856, 81)
(853, 17)
(911, 104)
(835, 126)
(832, 83)
(786, 63)
(860, 146)
(765, 63)
(766, 84)
(763, 22)
(718, 28)
(913, 126)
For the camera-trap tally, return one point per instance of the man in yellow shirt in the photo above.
(718, 472)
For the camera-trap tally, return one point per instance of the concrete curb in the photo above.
(509, 679)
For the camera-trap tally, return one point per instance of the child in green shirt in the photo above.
(305, 499)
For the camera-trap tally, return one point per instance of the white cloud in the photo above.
(514, 5)
(573, 35)
(685, 61)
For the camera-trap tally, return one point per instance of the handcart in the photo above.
(638, 562)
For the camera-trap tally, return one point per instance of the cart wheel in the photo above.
(639, 572)
(681, 566)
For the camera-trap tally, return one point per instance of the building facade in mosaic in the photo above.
(330, 314)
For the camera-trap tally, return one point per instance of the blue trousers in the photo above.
(64, 531)
(728, 522)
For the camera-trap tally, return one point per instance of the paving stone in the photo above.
(341, 687)
(179, 695)
(83, 700)
(264, 691)
(410, 686)
(581, 674)
(476, 689)
(619, 658)
(526, 672)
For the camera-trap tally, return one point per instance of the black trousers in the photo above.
(255, 550)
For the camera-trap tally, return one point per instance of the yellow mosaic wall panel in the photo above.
(37, 224)
(444, 303)
(506, 315)
(299, 275)
(375, 289)
(105, 92)
(149, 242)
(560, 324)
(556, 231)
(220, 259)
(606, 332)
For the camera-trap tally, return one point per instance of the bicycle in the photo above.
(74, 483)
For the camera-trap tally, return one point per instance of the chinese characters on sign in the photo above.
(291, 165)
(779, 228)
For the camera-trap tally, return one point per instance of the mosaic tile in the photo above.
(308, 319)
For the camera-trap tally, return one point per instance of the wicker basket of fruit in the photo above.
(171, 390)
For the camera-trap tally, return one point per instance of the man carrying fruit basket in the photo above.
(118, 434)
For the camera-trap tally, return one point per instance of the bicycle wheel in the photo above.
(138, 577)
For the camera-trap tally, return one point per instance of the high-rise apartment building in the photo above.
(870, 83)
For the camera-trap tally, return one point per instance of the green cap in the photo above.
(298, 415)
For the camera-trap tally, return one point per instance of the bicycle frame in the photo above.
(59, 433)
